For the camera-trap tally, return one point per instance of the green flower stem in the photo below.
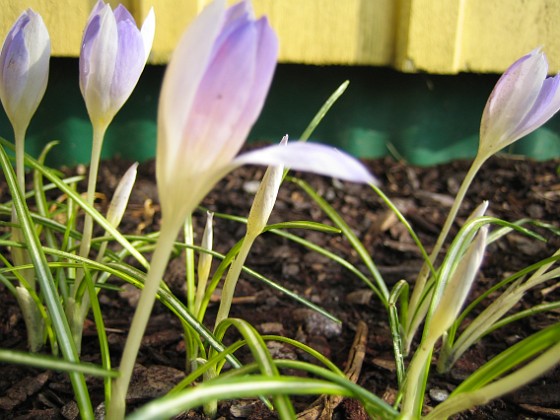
(189, 261)
(34, 322)
(19, 136)
(191, 344)
(415, 383)
(20, 255)
(422, 278)
(159, 262)
(76, 307)
(232, 277)
(99, 131)
(48, 289)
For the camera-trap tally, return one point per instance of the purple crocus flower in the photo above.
(213, 91)
(24, 69)
(113, 54)
(523, 100)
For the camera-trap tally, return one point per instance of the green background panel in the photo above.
(426, 119)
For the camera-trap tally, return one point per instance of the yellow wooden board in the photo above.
(437, 36)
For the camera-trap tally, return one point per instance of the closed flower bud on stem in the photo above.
(265, 198)
(458, 286)
(121, 196)
(522, 100)
(24, 69)
(446, 311)
(204, 263)
(24, 72)
(113, 54)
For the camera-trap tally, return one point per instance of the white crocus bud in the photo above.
(205, 260)
(479, 211)
(458, 286)
(265, 198)
(121, 196)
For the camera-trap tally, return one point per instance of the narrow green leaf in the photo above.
(381, 288)
(52, 363)
(511, 358)
(49, 174)
(323, 111)
(262, 357)
(219, 389)
(46, 281)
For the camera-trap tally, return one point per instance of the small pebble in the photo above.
(360, 297)
(317, 324)
(438, 394)
(271, 328)
(251, 187)
(70, 411)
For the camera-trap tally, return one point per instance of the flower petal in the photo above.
(220, 102)
(184, 72)
(24, 68)
(267, 53)
(310, 157)
(14, 62)
(130, 59)
(99, 55)
(148, 31)
(546, 105)
(512, 99)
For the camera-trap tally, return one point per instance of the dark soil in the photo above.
(516, 188)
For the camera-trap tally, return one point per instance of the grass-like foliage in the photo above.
(61, 252)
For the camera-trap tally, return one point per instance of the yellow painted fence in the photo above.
(437, 36)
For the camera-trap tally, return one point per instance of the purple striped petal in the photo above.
(267, 51)
(180, 84)
(100, 50)
(113, 55)
(24, 68)
(212, 93)
(14, 62)
(521, 102)
(546, 105)
(130, 59)
(221, 98)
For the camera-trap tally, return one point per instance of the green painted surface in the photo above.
(426, 119)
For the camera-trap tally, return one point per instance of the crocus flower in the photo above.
(523, 100)
(213, 91)
(113, 54)
(24, 69)
(24, 72)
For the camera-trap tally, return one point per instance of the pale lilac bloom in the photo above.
(113, 54)
(213, 91)
(24, 69)
(523, 100)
